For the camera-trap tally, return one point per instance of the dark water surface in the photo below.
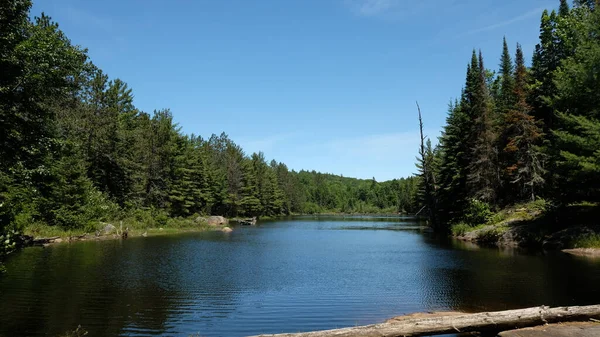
(282, 276)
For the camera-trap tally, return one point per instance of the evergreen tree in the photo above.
(577, 102)
(563, 9)
(454, 158)
(506, 97)
(523, 158)
(483, 173)
(249, 203)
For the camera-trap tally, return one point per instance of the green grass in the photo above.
(525, 212)
(135, 225)
(42, 230)
(462, 228)
(587, 241)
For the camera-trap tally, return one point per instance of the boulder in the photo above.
(109, 228)
(226, 230)
(216, 221)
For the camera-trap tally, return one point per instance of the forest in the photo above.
(74, 150)
(522, 134)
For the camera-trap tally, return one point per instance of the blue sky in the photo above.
(328, 85)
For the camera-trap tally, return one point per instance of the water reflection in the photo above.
(288, 275)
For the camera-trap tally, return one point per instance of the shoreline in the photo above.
(60, 237)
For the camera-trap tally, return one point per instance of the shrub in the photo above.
(587, 241)
(161, 218)
(460, 229)
(477, 213)
(497, 218)
(99, 208)
(311, 208)
(539, 204)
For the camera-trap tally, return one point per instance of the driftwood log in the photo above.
(247, 222)
(436, 324)
(42, 241)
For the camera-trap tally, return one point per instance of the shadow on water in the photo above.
(111, 288)
(471, 278)
(294, 274)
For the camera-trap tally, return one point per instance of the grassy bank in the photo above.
(114, 229)
(534, 224)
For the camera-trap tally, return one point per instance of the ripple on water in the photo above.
(288, 275)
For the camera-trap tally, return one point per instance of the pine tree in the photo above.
(523, 159)
(483, 173)
(249, 204)
(563, 9)
(577, 104)
(506, 97)
(159, 159)
(454, 158)
(545, 62)
(66, 191)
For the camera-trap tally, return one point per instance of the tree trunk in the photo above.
(419, 325)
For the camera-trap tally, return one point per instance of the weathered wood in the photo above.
(42, 241)
(452, 323)
(247, 222)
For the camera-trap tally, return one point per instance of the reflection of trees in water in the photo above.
(210, 282)
(110, 288)
(467, 278)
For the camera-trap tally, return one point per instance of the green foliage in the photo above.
(587, 241)
(539, 205)
(477, 213)
(460, 229)
(525, 134)
(491, 234)
(77, 153)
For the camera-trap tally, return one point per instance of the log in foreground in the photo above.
(436, 324)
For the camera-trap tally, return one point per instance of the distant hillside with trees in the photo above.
(75, 150)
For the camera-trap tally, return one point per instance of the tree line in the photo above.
(522, 133)
(74, 149)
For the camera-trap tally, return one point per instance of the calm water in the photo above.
(282, 276)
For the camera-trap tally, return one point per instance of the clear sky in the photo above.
(328, 85)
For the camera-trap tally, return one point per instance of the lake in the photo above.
(289, 275)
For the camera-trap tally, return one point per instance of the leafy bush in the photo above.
(477, 213)
(539, 204)
(460, 229)
(497, 218)
(8, 242)
(99, 208)
(161, 218)
(587, 241)
(492, 234)
(7, 245)
(311, 208)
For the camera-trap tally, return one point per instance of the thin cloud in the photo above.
(508, 22)
(381, 146)
(371, 7)
(393, 9)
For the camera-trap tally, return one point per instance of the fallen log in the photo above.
(247, 222)
(437, 324)
(42, 241)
